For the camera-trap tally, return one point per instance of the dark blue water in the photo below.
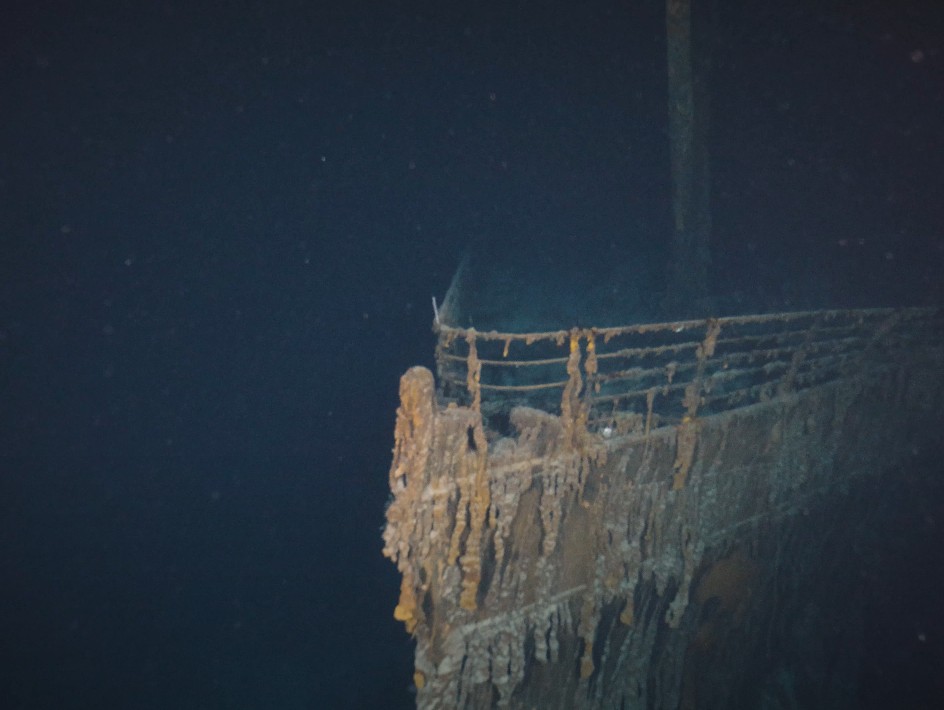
(220, 232)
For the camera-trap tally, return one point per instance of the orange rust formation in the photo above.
(597, 517)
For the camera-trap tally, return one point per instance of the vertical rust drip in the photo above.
(474, 372)
(478, 505)
(573, 412)
(687, 434)
(408, 475)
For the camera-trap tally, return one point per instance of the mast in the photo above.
(688, 157)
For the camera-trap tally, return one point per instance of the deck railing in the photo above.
(631, 379)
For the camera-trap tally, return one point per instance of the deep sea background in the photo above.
(221, 225)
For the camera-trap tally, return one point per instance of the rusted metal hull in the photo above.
(575, 561)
